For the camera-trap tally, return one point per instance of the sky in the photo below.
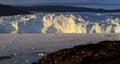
(88, 3)
(15, 2)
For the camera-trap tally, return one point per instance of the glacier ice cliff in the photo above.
(61, 23)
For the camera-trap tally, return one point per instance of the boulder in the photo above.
(105, 52)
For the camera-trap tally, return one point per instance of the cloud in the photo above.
(37, 1)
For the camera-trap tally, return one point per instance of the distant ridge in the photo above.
(49, 8)
(6, 10)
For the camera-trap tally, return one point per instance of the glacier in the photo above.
(65, 22)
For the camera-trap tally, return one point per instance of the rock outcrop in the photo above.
(105, 52)
(4, 57)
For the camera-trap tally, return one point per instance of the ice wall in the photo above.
(67, 24)
(60, 23)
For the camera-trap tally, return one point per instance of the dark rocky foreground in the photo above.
(105, 52)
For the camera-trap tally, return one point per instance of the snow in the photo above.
(27, 48)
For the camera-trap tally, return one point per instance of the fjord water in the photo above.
(61, 22)
(43, 33)
(28, 48)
